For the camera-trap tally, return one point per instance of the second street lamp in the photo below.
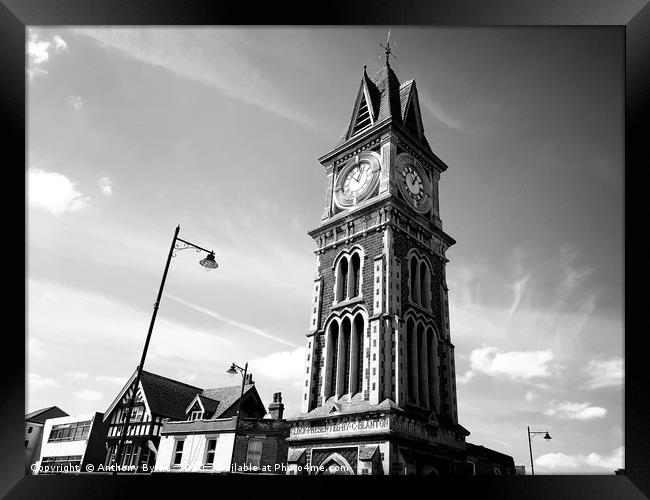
(233, 370)
(208, 263)
(530, 446)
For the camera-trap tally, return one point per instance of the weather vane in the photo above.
(387, 49)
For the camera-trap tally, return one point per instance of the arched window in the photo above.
(358, 331)
(331, 366)
(343, 375)
(355, 275)
(425, 281)
(415, 280)
(342, 279)
(423, 367)
(411, 360)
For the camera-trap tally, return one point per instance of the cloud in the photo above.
(216, 59)
(88, 395)
(54, 192)
(576, 411)
(435, 109)
(285, 365)
(515, 364)
(106, 185)
(111, 379)
(463, 379)
(39, 51)
(35, 380)
(77, 375)
(611, 462)
(76, 101)
(604, 373)
(559, 462)
(238, 324)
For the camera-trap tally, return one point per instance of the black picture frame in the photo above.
(632, 16)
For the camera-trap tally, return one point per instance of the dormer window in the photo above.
(196, 415)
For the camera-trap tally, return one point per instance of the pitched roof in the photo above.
(210, 405)
(40, 416)
(225, 397)
(167, 397)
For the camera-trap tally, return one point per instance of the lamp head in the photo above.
(232, 370)
(547, 436)
(209, 262)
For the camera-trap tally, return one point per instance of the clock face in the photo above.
(357, 180)
(413, 182)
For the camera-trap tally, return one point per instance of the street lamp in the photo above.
(233, 370)
(530, 446)
(208, 263)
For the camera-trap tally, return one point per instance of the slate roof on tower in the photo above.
(385, 98)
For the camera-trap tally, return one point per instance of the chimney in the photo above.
(249, 379)
(276, 408)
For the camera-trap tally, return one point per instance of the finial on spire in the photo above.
(387, 49)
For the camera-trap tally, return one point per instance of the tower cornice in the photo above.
(388, 124)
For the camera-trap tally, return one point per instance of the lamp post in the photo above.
(233, 370)
(530, 446)
(209, 263)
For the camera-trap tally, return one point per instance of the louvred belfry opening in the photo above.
(363, 119)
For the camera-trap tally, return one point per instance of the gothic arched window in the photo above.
(342, 279)
(425, 282)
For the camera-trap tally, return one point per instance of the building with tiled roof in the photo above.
(161, 399)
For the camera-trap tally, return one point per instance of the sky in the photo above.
(132, 131)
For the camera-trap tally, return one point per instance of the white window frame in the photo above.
(175, 465)
(214, 438)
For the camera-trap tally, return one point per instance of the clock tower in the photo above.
(379, 394)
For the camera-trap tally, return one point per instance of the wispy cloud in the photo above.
(604, 373)
(77, 375)
(577, 411)
(36, 380)
(106, 185)
(218, 61)
(514, 364)
(76, 101)
(437, 112)
(232, 322)
(54, 192)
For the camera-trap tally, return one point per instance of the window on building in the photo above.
(471, 468)
(74, 431)
(29, 431)
(254, 454)
(26, 443)
(210, 448)
(196, 415)
(178, 453)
